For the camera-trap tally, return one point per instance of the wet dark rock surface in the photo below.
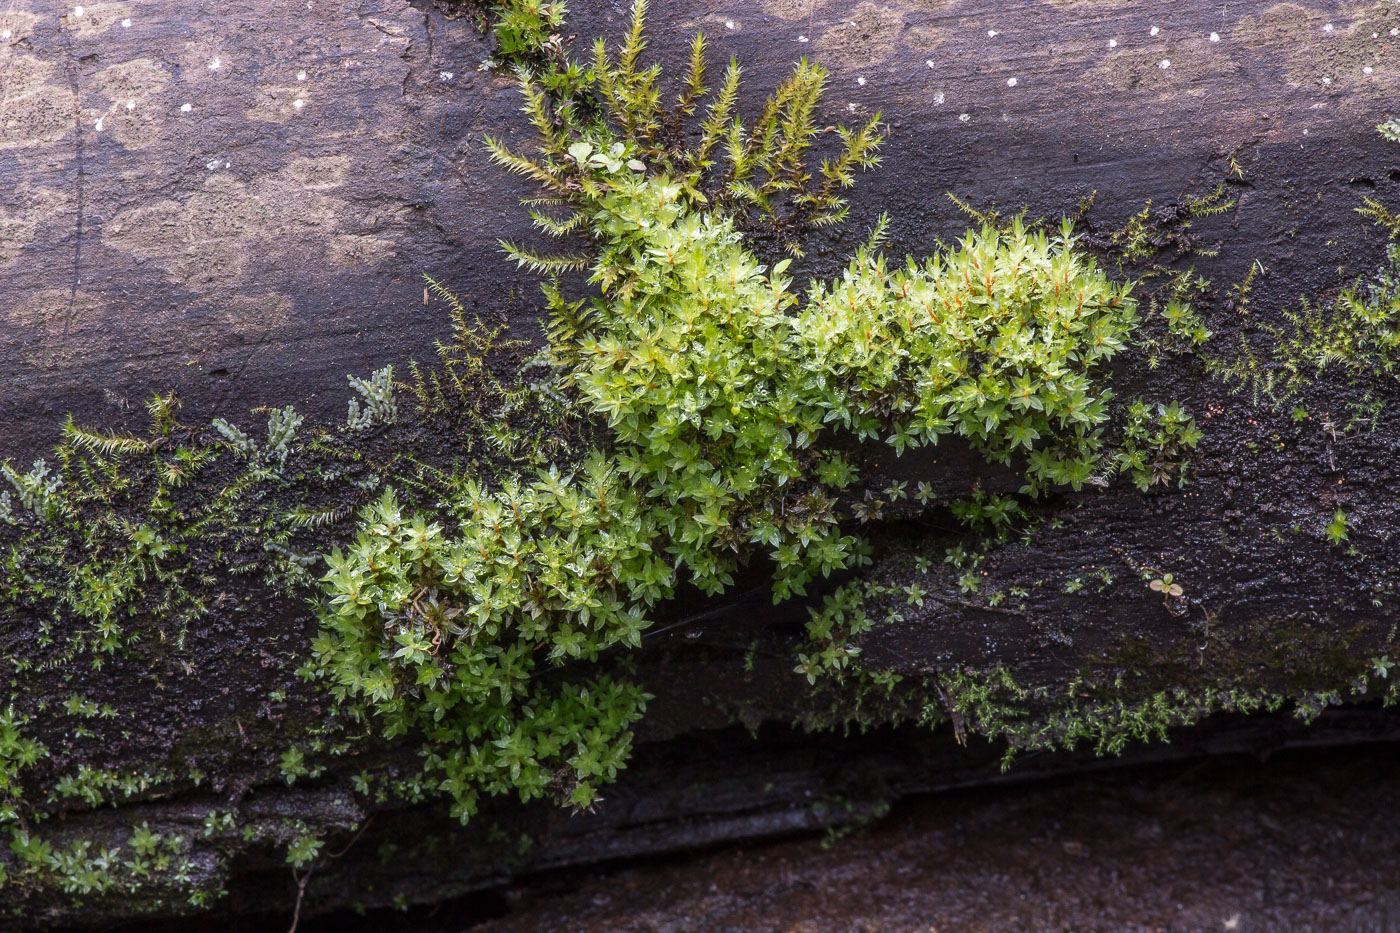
(251, 251)
(1305, 841)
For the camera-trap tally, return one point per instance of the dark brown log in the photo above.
(237, 202)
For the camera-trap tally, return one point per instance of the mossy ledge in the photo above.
(488, 545)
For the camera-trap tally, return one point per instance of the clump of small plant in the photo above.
(1358, 333)
(1156, 446)
(718, 386)
(1338, 528)
(756, 174)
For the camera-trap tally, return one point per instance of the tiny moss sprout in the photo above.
(1338, 528)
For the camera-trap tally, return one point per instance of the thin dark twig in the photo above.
(356, 839)
(301, 893)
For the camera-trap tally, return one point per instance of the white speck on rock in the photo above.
(802, 39)
(214, 65)
(860, 81)
(1305, 132)
(131, 105)
(445, 76)
(1215, 37)
(78, 11)
(186, 108)
(98, 125)
(212, 164)
(938, 98)
(126, 24)
(929, 62)
(729, 24)
(1367, 70)
(1153, 31)
(1326, 80)
(1010, 82)
(1164, 64)
(298, 103)
(1327, 28)
(964, 117)
(6, 34)
(991, 33)
(1395, 32)
(1113, 43)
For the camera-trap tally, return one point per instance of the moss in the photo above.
(695, 420)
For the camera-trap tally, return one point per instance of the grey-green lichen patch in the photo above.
(237, 223)
(1168, 69)
(1354, 49)
(866, 36)
(128, 100)
(90, 20)
(34, 94)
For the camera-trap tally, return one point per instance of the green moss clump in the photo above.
(722, 391)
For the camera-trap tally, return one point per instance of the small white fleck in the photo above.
(212, 164)
(6, 34)
(1375, 35)
(1113, 43)
(1010, 82)
(77, 11)
(802, 39)
(930, 63)
(1164, 63)
(301, 76)
(1153, 31)
(729, 24)
(1367, 70)
(851, 108)
(131, 105)
(860, 81)
(214, 65)
(98, 124)
(126, 24)
(964, 117)
(938, 98)
(186, 108)
(1305, 132)
(1326, 80)
(1327, 28)
(225, 165)
(1395, 32)
(991, 33)
(444, 76)
(1215, 37)
(298, 103)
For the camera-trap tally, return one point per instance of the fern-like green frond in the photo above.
(540, 263)
(695, 77)
(102, 442)
(524, 166)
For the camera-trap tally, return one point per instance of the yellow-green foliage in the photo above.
(614, 116)
(720, 400)
(717, 383)
(1359, 332)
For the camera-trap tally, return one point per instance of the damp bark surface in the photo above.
(1217, 845)
(238, 203)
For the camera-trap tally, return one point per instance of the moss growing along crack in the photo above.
(723, 392)
(485, 606)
